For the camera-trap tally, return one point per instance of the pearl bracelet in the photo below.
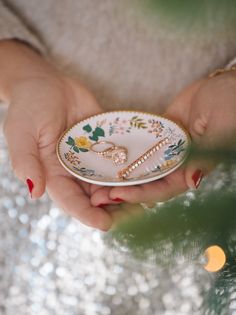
(221, 70)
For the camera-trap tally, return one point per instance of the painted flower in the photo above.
(82, 142)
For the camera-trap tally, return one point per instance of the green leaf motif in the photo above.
(180, 142)
(87, 128)
(70, 141)
(83, 150)
(137, 123)
(142, 125)
(76, 149)
(94, 138)
(99, 132)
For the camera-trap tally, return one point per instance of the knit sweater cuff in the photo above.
(11, 27)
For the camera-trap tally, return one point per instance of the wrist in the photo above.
(18, 63)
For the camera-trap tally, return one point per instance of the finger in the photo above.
(204, 135)
(24, 156)
(196, 170)
(69, 195)
(179, 109)
(94, 188)
(83, 97)
(159, 190)
(123, 212)
(100, 197)
(133, 209)
(118, 214)
(85, 186)
(199, 167)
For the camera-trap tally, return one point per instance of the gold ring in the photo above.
(118, 154)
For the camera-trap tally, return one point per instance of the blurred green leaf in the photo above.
(192, 14)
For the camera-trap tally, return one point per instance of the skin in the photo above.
(207, 109)
(43, 102)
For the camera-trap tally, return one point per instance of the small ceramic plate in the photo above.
(138, 132)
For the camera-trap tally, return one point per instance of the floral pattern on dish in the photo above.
(155, 127)
(174, 149)
(72, 158)
(122, 126)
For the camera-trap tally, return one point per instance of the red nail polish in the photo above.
(118, 200)
(101, 205)
(197, 177)
(30, 185)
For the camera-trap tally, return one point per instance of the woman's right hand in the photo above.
(42, 104)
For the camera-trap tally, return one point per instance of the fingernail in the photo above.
(101, 205)
(197, 177)
(118, 200)
(30, 186)
(103, 230)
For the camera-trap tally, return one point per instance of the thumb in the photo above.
(24, 156)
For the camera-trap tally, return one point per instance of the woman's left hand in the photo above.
(207, 109)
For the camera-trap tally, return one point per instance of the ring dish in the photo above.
(143, 135)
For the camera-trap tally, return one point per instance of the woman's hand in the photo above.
(42, 104)
(207, 109)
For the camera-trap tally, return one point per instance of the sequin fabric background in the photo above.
(51, 264)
